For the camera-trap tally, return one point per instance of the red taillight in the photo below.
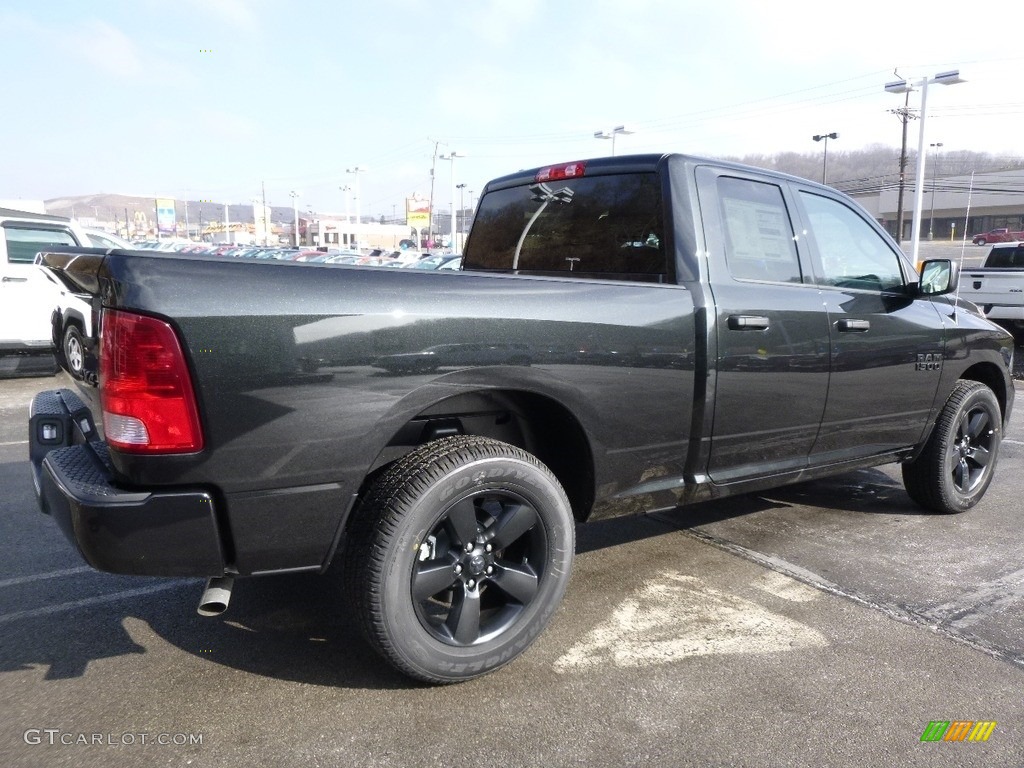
(563, 171)
(145, 388)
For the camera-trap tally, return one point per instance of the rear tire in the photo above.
(959, 460)
(458, 556)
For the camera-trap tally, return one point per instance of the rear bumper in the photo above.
(1003, 312)
(151, 533)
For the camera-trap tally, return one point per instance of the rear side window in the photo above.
(852, 253)
(758, 234)
(23, 243)
(607, 226)
(1006, 257)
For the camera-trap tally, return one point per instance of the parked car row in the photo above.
(407, 259)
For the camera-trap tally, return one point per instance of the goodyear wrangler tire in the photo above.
(458, 557)
(957, 465)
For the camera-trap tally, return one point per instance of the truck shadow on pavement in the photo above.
(293, 627)
(298, 628)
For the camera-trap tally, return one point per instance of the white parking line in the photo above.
(43, 576)
(15, 442)
(48, 610)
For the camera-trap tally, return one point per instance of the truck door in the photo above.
(886, 347)
(770, 362)
(27, 295)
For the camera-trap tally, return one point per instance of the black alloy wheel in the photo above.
(958, 462)
(479, 568)
(458, 556)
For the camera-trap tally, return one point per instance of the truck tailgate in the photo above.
(994, 288)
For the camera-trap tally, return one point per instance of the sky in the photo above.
(220, 99)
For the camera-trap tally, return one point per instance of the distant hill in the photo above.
(108, 209)
(862, 170)
(877, 167)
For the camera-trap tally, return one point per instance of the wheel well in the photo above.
(537, 424)
(991, 377)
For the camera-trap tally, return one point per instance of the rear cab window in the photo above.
(604, 226)
(1005, 257)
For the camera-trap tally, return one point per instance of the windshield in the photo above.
(603, 225)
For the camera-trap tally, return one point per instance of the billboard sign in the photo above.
(165, 221)
(417, 212)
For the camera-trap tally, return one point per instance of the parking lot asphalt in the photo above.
(824, 624)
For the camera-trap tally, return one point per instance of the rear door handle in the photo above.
(854, 326)
(15, 279)
(748, 323)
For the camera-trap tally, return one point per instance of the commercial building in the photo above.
(954, 206)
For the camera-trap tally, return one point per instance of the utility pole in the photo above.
(905, 116)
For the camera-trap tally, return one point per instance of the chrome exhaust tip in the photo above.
(216, 596)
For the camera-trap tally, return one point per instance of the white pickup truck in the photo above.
(28, 293)
(998, 286)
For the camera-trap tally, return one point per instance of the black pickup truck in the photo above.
(627, 334)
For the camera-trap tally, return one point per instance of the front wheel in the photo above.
(957, 465)
(458, 556)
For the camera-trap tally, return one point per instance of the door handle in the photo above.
(15, 279)
(748, 323)
(854, 326)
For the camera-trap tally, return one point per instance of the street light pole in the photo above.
(355, 171)
(344, 193)
(462, 207)
(621, 129)
(266, 218)
(824, 162)
(359, 203)
(256, 218)
(451, 156)
(935, 165)
(295, 217)
(902, 86)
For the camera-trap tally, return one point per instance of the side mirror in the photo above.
(938, 277)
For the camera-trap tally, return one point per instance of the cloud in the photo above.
(108, 49)
(239, 14)
(500, 22)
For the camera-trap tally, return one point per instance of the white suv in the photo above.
(28, 295)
